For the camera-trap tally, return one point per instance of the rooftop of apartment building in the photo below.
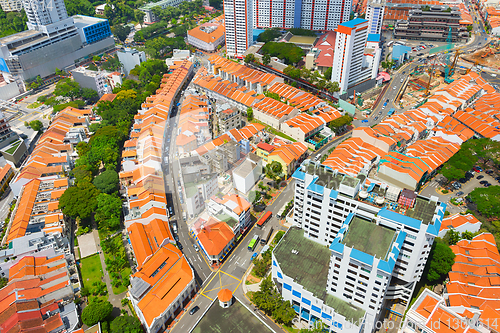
(208, 32)
(307, 263)
(423, 209)
(368, 237)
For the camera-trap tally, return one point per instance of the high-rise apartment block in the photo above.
(348, 55)
(53, 40)
(239, 26)
(376, 250)
(41, 12)
(306, 14)
(375, 16)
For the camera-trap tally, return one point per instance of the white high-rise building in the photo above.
(353, 251)
(375, 16)
(306, 14)
(44, 12)
(239, 26)
(348, 55)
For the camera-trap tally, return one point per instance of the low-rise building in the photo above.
(232, 209)
(434, 23)
(263, 150)
(460, 223)
(95, 80)
(289, 156)
(161, 288)
(273, 112)
(6, 174)
(149, 16)
(248, 173)
(130, 58)
(215, 239)
(228, 119)
(303, 126)
(207, 37)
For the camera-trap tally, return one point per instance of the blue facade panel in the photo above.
(296, 294)
(287, 286)
(316, 309)
(297, 13)
(280, 276)
(306, 301)
(96, 32)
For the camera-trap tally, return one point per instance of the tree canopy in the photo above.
(12, 22)
(97, 311)
(487, 200)
(269, 300)
(440, 260)
(120, 31)
(36, 125)
(338, 125)
(108, 212)
(79, 201)
(68, 88)
(288, 52)
(126, 324)
(269, 35)
(107, 181)
(468, 155)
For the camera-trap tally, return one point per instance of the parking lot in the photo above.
(469, 186)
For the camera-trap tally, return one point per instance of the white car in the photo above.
(394, 88)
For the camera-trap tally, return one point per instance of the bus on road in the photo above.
(253, 243)
(264, 241)
(264, 219)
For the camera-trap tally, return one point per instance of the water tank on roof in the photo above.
(363, 194)
(380, 200)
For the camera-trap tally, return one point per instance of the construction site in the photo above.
(488, 56)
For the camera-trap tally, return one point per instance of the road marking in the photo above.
(230, 276)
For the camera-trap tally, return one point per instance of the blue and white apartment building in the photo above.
(352, 250)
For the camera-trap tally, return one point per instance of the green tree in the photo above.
(121, 32)
(441, 258)
(79, 201)
(292, 72)
(3, 282)
(42, 99)
(97, 311)
(68, 88)
(266, 59)
(36, 125)
(107, 182)
(288, 52)
(487, 200)
(249, 114)
(139, 16)
(269, 35)
(328, 74)
(249, 58)
(452, 237)
(274, 170)
(79, 7)
(126, 324)
(90, 95)
(339, 125)
(108, 212)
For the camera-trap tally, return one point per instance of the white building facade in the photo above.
(375, 16)
(40, 12)
(238, 16)
(306, 14)
(130, 58)
(349, 52)
(325, 199)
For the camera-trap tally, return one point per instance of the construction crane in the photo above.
(454, 63)
(467, 71)
(431, 74)
(447, 65)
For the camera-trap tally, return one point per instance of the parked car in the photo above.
(460, 193)
(497, 178)
(480, 177)
(489, 172)
(463, 180)
(375, 118)
(477, 169)
(194, 310)
(254, 256)
(456, 185)
(196, 248)
(420, 54)
(179, 245)
(483, 182)
(487, 185)
(176, 237)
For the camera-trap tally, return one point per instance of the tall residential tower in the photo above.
(348, 56)
(306, 14)
(375, 15)
(239, 26)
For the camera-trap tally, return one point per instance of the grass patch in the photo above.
(34, 105)
(91, 270)
(290, 329)
(12, 149)
(274, 131)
